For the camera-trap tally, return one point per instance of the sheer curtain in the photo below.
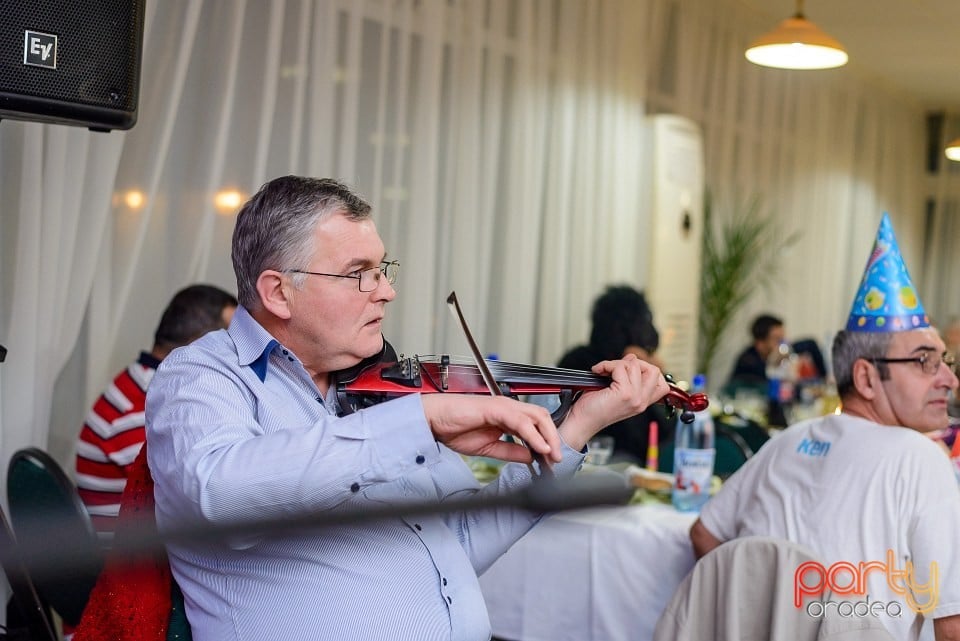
(55, 190)
(500, 142)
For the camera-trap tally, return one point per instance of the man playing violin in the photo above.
(244, 423)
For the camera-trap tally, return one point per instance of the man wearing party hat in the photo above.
(864, 487)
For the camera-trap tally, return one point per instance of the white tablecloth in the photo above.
(603, 574)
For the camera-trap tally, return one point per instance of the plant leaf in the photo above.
(738, 258)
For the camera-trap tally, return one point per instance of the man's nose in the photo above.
(948, 375)
(385, 289)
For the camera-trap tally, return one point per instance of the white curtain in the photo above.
(499, 141)
(55, 186)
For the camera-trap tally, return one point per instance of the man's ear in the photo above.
(274, 291)
(866, 379)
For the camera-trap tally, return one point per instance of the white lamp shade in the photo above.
(797, 43)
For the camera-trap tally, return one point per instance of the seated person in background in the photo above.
(750, 370)
(113, 432)
(622, 323)
(866, 486)
(245, 423)
(948, 440)
(135, 598)
(812, 366)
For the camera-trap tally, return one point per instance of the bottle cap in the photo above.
(699, 382)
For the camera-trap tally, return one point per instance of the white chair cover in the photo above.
(743, 591)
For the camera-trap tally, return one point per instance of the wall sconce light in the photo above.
(132, 199)
(797, 43)
(227, 201)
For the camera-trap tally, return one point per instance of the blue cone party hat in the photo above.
(886, 301)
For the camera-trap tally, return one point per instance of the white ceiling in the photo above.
(911, 47)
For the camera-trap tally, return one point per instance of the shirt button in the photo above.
(417, 525)
(449, 600)
(355, 487)
(444, 580)
(420, 459)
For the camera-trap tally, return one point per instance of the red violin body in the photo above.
(384, 379)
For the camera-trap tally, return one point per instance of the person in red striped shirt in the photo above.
(113, 432)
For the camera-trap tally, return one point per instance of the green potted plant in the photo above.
(739, 257)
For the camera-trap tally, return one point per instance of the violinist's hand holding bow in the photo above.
(473, 425)
(636, 384)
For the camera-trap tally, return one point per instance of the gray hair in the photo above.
(848, 347)
(274, 229)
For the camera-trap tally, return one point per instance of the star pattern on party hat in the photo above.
(886, 300)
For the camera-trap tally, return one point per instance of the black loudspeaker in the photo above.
(72, 62)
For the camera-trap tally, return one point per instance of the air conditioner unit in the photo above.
(675, 180)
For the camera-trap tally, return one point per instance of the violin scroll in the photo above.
(686, 403)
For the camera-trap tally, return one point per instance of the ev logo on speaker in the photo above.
(40, 49)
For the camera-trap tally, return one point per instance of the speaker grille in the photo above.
(98, 51)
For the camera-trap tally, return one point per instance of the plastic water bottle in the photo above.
(693, 457)
(783, 366)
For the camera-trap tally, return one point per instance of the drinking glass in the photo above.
(599, 450)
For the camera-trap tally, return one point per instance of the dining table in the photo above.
(596, 574)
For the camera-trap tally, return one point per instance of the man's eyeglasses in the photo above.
(368, 279)
(929, 361)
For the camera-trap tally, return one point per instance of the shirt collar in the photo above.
(148, 360)
(254, 343)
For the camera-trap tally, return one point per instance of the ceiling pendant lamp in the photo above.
(797, 43)
(953, 150)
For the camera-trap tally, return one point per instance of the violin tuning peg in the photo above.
(686, 416)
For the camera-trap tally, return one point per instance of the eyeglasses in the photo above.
(368, 279)
(929, 361)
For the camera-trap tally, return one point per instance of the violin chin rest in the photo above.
(567, 397)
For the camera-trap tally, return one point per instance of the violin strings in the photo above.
(508, 372)
(524, 373)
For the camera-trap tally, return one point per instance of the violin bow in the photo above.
(454, 306)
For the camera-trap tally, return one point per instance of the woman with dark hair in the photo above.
(622, 323)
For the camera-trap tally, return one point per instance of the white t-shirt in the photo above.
(851, 490)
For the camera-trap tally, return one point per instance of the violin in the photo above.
(384, 376)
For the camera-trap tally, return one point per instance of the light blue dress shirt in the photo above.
(236, 429)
